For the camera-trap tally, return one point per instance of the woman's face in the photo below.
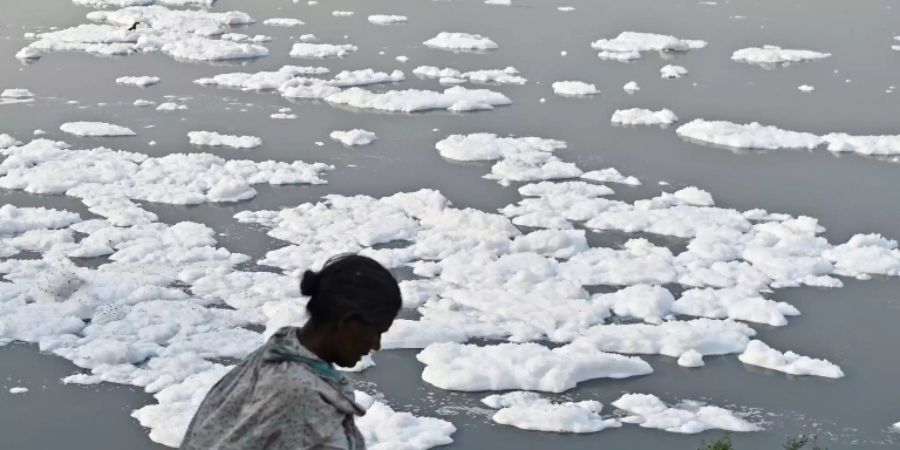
(358, 339)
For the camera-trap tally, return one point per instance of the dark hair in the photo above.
(352, 284)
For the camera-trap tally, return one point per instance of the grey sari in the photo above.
(282, 397)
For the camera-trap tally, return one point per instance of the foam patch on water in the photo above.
(182, 34)
(354, 137)
(521, 366)
(387, 19)
(519, 159)
(773, 56)
(461, 42)
(672, 72)
(386, 429)
(611, 175)
(530, 411)
(455, 99)
(628, 45)
(95, 129)
(320, 51)
(509, 75)
(689, 417)
(107, 181)
(139, 81)
(641, 116)
(757, 136)
(283, 22)
(213, 139)
(574, 88)
(760, 354)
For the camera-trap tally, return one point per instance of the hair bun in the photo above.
(309, 285)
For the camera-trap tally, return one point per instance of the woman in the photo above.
(287, 394)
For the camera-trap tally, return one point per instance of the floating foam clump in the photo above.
(261, 81)
(519, 159)
(181, 34)
(386, 429)
(521, 366)
(456, 99)
(213, 139)
(610, 175)
(754, 135)
(354, 137)
(641, 116)
(139, 81)
(628, 45)
(509, 75)
(107, 181)
(760, 354)
(671, 72)
(283, 22)
(649, 411)
(574, 88)
(320, 51)
(771, 55)
(95, 129)
(529, 411)
(386, 19)
(461, 42)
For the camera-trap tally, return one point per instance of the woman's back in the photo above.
(281, 397)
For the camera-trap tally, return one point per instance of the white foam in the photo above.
(498, 2)
(689, 417)
(691, 358)
(641, 116)
(106, 180)
(529, 411)
(865, 254)
(319, 51)
(95, 129)
(456, 99)
(386, 429)
(760, 354)
(671, 72)
(387, 19)
(754, 135)
(28, 54)
(354, 137)
(611, 175)
(143, 103)
(509, 75)
(338, 13)
(139, 81)
(631, 87)
(283, 22)
(519, 159)
(16, 93)
(574, 88)
(18, 390)
(461, 42)
(213, 139)
(733, 303)
(171, 106)
(8, 141)
(365, 77)
(771, 55)
(628, 45)
(182, 34)
(261, 81)
(521, 366)
(805, 88)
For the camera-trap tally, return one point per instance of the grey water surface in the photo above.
(854, 326)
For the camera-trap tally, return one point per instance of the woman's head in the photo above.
(354, 299)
